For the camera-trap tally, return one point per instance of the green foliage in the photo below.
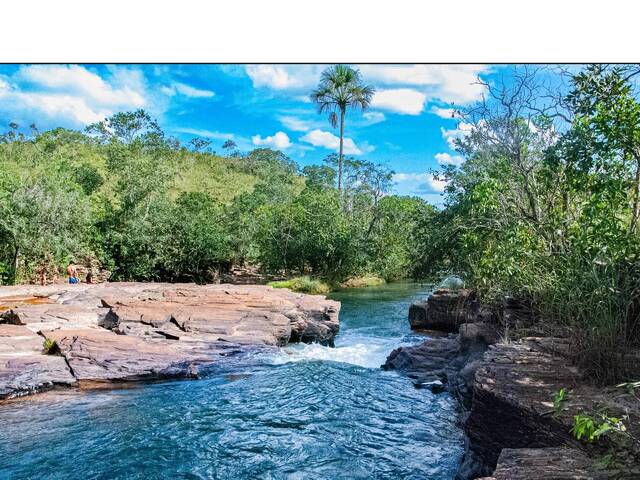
(150, 209)
(50, 347)
(303, 284)
(589, 429)
(362, 282)
(558, 399)
(548, 212)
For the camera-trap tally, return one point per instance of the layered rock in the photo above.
(513, 397)
(445, 310)
(545, 464)
(23, 367)
(133, 331)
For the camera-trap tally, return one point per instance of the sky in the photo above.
(408, 127)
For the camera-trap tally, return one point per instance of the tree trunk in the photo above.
(341, 148)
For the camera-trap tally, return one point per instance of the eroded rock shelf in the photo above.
(136, 331)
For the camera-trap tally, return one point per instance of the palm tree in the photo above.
(341, 88)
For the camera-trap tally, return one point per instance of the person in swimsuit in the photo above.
(72, 272)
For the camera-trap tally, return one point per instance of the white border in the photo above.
(325, 31)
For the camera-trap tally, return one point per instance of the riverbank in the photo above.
(506, 390)
(124, 332)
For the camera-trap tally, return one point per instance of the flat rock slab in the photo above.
(135, 331)
(27, 374)
(546, 464)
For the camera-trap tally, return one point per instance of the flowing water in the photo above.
(305, 412)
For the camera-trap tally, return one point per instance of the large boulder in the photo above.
(445, 310)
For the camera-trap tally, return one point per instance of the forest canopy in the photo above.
(150, 208)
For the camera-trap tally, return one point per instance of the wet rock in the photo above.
(445, 310)
(28, 374)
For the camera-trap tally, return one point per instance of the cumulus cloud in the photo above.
(400, 100)
(279, 140)
(418, 183)
(71, 95)
(373, 117)
(284, 77)
(447, 159)
(451, 135)
(443, 112)
(294, 123)
(447, 83)
(321, 138)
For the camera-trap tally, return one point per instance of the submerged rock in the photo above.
(135, 331)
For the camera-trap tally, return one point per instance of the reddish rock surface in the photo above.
(135, 331)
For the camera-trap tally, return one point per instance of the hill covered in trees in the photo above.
(148, 208)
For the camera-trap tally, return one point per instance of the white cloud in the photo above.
(72, 95)
(294, 123)
(279, 140)
(74, 79)
(451, 135)
(373, 117)
(447, 159)
(206, 133)
(447, 83)
(400, 100)
(189, 91)
(443, 112)
(321, 138)
(419, 183)
(285, 77)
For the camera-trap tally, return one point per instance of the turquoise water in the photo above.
(305, 412)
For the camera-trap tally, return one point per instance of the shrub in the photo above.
(303, 284)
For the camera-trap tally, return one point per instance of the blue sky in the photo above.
(408, 127)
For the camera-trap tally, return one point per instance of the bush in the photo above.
(303, 285)
(361, 282)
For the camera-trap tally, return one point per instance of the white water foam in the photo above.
(365, 351)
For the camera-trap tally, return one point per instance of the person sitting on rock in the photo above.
(73, 273)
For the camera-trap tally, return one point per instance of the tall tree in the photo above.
(341, 88)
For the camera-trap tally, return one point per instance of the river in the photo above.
(305, 412)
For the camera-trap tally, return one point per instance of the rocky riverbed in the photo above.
(506, 390)
(118, 332)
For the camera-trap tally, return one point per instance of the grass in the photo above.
(364, 281)
(304, 284)
(50, 347)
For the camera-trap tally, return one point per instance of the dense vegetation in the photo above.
(546, 208)
(148, 208)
